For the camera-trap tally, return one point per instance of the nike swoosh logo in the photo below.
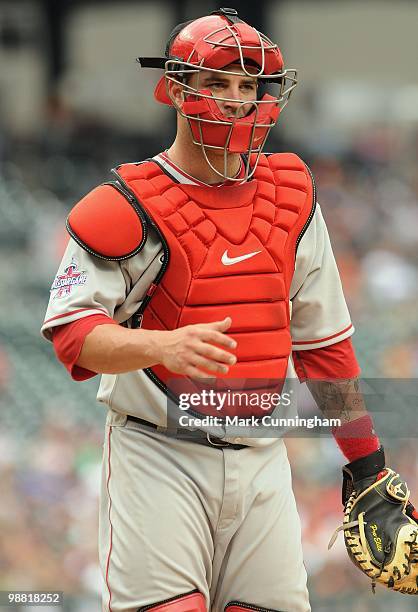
(230, 261)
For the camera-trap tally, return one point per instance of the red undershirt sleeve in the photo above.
(336, 361)
(68, 341)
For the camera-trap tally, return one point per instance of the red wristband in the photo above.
(357, 438)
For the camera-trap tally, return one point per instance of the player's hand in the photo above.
(191, 350)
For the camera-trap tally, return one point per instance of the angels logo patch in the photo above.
(72, 277)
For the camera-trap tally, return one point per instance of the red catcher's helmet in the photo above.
(212, 44)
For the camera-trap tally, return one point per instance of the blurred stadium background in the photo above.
(72, 105)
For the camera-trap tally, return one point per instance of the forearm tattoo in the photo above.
(339, 398)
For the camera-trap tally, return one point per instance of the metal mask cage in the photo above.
(249, 170)
(178, 73)
(256, 55)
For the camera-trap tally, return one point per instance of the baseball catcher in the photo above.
(212, 259)
(380, 524)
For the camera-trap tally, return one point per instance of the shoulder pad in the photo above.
(108, 223)
(290, 169)
(285, 161)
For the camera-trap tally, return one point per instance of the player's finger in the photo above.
(216, 337)
(210, 364)
(215, 354)
(220, 325)
(194, 372)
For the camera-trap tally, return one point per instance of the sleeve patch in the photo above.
(72, 278)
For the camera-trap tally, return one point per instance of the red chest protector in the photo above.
(230, 251)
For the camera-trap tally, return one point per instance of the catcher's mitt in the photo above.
(380, 525)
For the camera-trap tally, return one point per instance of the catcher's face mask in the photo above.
(221, 44)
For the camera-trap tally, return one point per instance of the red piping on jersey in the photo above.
(168, 161)
(110, 522)
(324, 339)
(69, 314)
